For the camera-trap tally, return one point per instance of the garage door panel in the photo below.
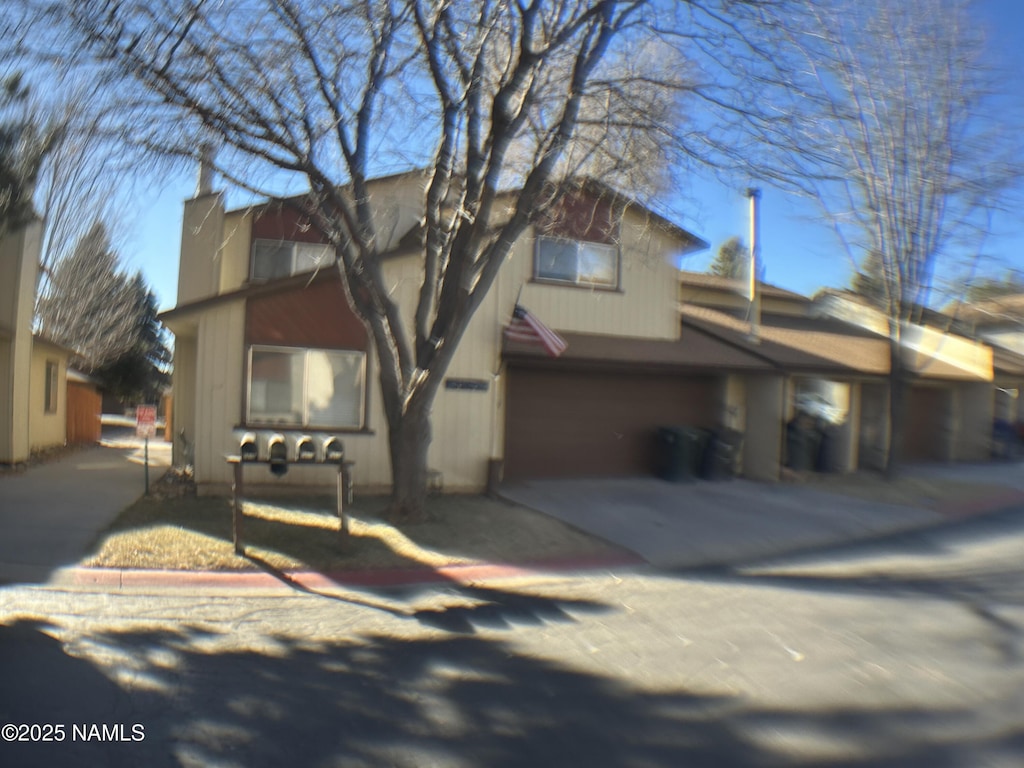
(925, 435)
(573, 424)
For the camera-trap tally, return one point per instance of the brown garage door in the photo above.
(925, 435)
(573, 424)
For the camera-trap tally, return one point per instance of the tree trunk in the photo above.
(897, 409)
(409, 440)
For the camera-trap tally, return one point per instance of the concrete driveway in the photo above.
(712, 523)
(50, 513)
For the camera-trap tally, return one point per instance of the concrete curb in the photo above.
(127, 578)
(115, 579)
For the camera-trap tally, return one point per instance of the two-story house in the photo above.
(265, 339)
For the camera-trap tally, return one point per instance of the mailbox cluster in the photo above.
(279, 449)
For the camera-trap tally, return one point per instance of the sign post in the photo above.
(145, 427)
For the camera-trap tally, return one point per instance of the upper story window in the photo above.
(576, 262)
(281, 258)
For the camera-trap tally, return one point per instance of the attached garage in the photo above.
(584, 423)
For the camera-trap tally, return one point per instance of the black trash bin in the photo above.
(679, 453)
(721, 456)
(801, 443)
(826, 458)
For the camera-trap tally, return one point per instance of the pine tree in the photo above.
(869, 282)
(732, 259)
(140, 374)
(90, 306)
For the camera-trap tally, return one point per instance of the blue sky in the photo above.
(797, 246)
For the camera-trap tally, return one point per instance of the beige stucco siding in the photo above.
(202, 235)
(643, 306)
(47, 430)
(218, 388)
(974, 405)
(234, 255)
(762, 445)
(6, 403)
(183, 384)
(19, 258)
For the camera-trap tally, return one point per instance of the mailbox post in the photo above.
(278, 451)
(237, 491)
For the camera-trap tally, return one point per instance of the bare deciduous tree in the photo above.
(80, 176)
(484, 95)
(25, 142)
(900, 141)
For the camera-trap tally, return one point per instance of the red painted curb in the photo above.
(115, 578)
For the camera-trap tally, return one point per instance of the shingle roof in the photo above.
(817, 347)
(695, 350)
(1004, 310)
(1006, 362)
(719, 283)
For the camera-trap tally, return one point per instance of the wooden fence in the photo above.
(84, 406)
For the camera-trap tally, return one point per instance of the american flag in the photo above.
(529, 330)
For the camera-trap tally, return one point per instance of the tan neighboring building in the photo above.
(33, 370)
(999, 322)
(834, 350)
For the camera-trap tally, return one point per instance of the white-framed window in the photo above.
(281, 258)
(576, 262)
(315, 388)
(52, 385)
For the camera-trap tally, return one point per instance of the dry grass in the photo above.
(189, 533)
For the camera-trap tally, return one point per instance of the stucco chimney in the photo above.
(204, 182)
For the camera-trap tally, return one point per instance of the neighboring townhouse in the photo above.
(33, 370)
(833, 351)
(951, 398)
(257, 321)
(999, 322)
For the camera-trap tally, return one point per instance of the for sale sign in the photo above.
(145, 421)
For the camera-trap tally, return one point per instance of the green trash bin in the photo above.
(679, 453)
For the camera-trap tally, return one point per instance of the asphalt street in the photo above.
(907, 652)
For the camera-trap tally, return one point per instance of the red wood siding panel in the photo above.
(317, 315)
(284, 223)
(571, 424)
(582, 217)
(83, 414)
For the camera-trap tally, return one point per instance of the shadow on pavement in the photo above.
(377, 700)
(488, 607)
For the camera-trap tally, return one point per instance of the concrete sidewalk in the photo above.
(719, 523)
(51, 513)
